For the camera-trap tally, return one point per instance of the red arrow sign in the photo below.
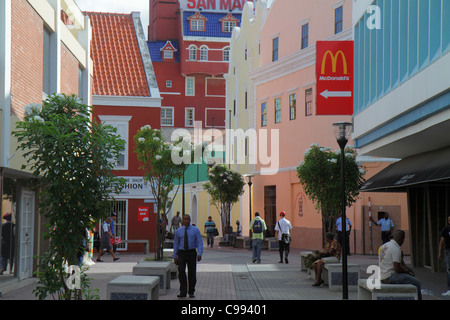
(334, 77)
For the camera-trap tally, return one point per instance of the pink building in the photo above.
(285, 100)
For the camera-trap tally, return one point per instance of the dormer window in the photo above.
(168, 51)
(228, 23)
(197, 22)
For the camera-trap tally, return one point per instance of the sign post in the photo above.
(334, 77)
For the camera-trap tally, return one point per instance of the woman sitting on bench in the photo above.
(332, 248)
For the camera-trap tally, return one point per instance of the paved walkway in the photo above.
(227, 273)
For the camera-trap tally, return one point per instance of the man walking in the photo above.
(187, 250)
(257, 228)
(284, 238)
(105, 240)
(444, 252)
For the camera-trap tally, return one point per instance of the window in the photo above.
(264, 114)
(305, 35)
(197, 25)
(167, 116)
(227, 26)
(122, 124)
(275, 49)
(226, 54)
(203, 53)
(80, 83)
(189, 117)
(190, 86)
(308, 102)
(168, 83)
(292, 106)
(119, 207)
(246, 100)
(168, 54)
(277, 104)
(338, 19)
(46, 68)
(192, 52)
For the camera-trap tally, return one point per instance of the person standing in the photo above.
(236, 234)
(393, 270)
(175, 223)
(210, 225)
(187, 251)
(386, 226)
(257, 228)
(284, 237)
(348, 228)
(105, 240)
(444, 252)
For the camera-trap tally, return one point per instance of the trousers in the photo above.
(187, 259)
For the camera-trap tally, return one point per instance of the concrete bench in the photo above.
(303, 256)
(312, 274)
(332, 275)
(168, 253)
(145, 242)
(159, 269)
(272, 244)
(386, 291)
(128, 287)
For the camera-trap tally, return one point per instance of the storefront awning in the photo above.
(427, 167)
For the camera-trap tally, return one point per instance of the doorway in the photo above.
(26, 243)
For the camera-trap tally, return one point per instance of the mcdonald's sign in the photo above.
(334, 77)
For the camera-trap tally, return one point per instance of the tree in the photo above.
(224, 186)
(73, 157)
(319, 174)
(155, 156)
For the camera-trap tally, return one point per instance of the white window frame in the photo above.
(168, 54)
(228, 26)
(189, 117)
(190, 86)
(226, 54)
(197, 25)
(168, 83)
(193, 52)
(203, 53)
(165, 118)
(122, 123)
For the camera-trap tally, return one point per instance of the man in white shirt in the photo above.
(284, 238)
(393, 270)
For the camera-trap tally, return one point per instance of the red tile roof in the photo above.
(118, 66)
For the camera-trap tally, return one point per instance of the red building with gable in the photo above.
(189, 43)
(125, 95)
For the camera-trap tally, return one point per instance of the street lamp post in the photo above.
(249, 178)
(342, 133)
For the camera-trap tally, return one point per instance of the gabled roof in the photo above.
(118, 65)
(155, 48)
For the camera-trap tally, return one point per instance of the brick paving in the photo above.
(228, 274)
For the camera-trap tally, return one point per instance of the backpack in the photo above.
(257, 226)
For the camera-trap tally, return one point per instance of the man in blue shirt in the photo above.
(186, 242)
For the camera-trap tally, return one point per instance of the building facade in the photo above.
(402, 99)
(44, 49)
(286, 120)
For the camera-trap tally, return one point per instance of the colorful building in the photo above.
(126, 96)
(189, 44)
(285, 99)
(44, 49)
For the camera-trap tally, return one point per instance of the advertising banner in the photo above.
(334, 77)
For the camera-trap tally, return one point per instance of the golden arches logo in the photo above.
(334, 58)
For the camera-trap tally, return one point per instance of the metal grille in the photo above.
(119, 207)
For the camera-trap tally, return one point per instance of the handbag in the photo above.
(215, 232)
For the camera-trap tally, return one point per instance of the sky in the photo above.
(120, 6)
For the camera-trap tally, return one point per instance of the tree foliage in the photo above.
(320, 176)
(225, 187)
(73, 157)
(156, 158)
